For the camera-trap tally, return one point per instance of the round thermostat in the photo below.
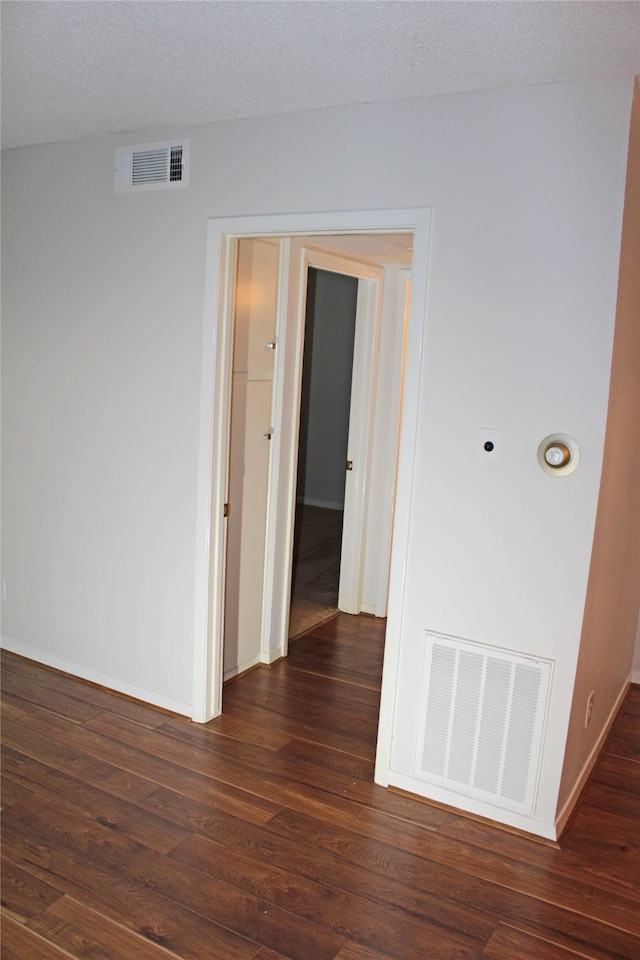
(558, 454)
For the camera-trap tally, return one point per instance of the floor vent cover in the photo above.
(481, 721)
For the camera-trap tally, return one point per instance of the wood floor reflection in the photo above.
(316, 568)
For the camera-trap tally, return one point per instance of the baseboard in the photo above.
(82, 672)
(635, 676)
(565, 814)
(461, 804)
(272, 656)
(263, 659)
(241, 668)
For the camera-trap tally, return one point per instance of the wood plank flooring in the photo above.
(132, 835)
(315, 577)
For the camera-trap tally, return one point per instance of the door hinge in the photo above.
(349, 464)
(225, 512)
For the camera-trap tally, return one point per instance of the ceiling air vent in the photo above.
(152, 166)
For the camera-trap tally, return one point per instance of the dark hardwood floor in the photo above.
(132, 835)
(315, 575)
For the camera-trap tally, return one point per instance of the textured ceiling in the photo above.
(74, 69)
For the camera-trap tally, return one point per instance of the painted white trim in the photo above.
(212, 485)
(365, 353)
(282, 478)
(479, 808)
(79, 670)
(242, 668)
(271, 656)
(567, 809)
(201, 704)
(394, 398)
(271, 525)
(404, 490)
(209, 559)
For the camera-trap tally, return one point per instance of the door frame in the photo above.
(298, 254)
(362, 392)
(213, 441)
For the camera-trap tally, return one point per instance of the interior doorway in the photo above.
(335, 403)
(335, 302)
(327, 366)
(291, 232)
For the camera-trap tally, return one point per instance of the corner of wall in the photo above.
(610, 623)
(635, 670)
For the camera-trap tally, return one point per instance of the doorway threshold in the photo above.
(306, 620)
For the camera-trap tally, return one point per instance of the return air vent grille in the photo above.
(481, 721)
(152, 166)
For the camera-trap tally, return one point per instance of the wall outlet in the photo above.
(589, 710)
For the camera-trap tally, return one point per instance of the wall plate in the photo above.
(558, 443)
(490, 445)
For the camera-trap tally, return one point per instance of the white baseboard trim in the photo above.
(271, 656)
(498, 815)
(369, 608)
(265, 659)
(567, 809)
(327, 504)
(241, 668)
(83, 672)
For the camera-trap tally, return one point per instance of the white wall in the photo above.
(102, 313)
(102, 305)
(610, 621)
